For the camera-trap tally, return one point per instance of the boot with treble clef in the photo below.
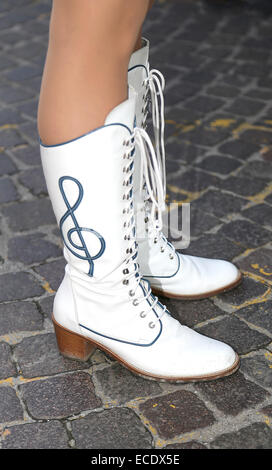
(103, 301)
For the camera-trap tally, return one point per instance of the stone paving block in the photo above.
(232, 394)
(119, 385)
(219, 204)
(7, 167)
(46, 305)
(176, 413)
(245, 107)
(194, 181)
(29, 51)
(214, 246)
(250, 54)
(10, 138)
(10, 407)
(8, 191)
(118, 428)
(255, 436)
(28, 109)
(257, 168)
(247, 290)
(60, 396)
(259, 368)
(19, 316)
(52, 272)
(235, 333)
(10, 95)
(39, 355)
(51, 435)
(244, 186)
(206, 136)
(18, 286)
(30, 155)
(193, 312)
(180, 92)
(238, 148)
(34, 181)
(200, 221)
(267, 410)
(182, 151)
(22, 73)
(8, 116)
(256, 136)
(29, 215)
(260, 94)
(186, 445)
(31, 249)
(205, 104)
(7, 368)
(218, 164)
(245, 233)
(261, 213)
(29, 129)
(259, 314)
(259, 263)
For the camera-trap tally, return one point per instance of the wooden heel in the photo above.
(73, 345)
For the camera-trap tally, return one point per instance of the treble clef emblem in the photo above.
(82, 247)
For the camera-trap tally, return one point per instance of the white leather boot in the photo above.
(170, 273)
(103, 301)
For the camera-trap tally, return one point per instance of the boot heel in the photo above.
(73, 345)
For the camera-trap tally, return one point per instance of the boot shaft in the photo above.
(89, 182)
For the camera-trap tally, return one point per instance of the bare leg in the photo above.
(85, 74)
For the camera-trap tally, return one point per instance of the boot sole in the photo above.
(227, 288)
(76, 346)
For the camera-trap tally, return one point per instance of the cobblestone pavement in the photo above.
(216, 56)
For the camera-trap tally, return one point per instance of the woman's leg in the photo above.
(85, 74)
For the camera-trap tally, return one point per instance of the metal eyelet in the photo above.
(151, 325)
(125, 271)
(171, 256)
(125, 282)
(131, 293)
(155, 240)
(142, 314)
(135, 302)
(162, 249)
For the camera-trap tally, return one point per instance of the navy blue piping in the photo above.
(165, 277)
(84, 135)
(128, 342)
(138, 66)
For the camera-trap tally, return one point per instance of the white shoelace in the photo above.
(151, 173)
(155, 84)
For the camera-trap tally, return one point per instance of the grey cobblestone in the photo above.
(51, 435)
(219, 156)
(19, 316)
(111, 429)
(236, 333)
(256, 436)
(7, 368)
(18, 286)
(10, 407)
(60, 396)
(233, 395)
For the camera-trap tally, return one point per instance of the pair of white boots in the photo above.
(105, 300)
